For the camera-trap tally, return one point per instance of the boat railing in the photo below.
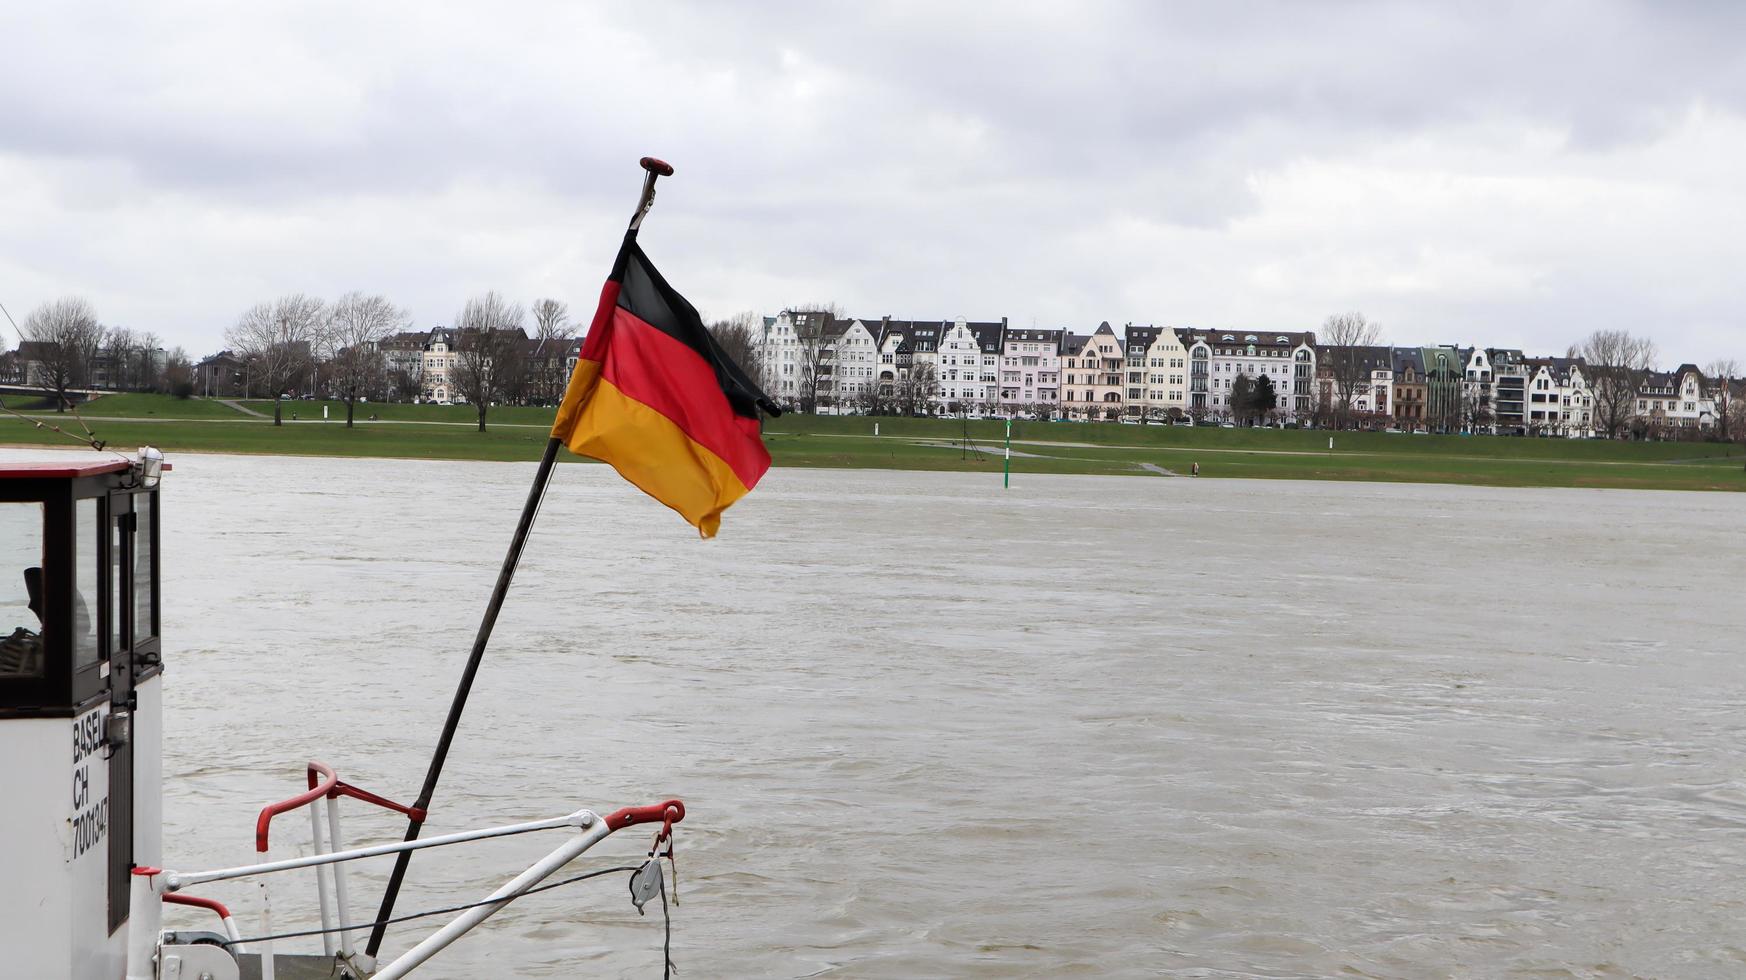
(322, 798)
(222, 911)
(152, 886)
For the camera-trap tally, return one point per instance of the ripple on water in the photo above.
(1093, 727)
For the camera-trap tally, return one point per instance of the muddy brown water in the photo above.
(1090, 726)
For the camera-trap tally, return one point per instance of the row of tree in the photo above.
(66, 348)
(338, 348)
(299, 342)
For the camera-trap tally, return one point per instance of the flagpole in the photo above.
(529, 510)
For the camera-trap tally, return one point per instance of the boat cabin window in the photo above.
(144, 621)
(87, 535)
(21, 608)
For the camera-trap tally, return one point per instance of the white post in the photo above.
(324, 413)
(328, 943)
(268, 964)
(144, 921)
(342, 903)
(544, 868)
(876, 428)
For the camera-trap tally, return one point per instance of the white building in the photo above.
(1477, 392)
(969, 359)
(437, 364)
(906, 347)
(854, 361)
(794, 353)
(1558, 399)
(1286, 359)
(1681, 399)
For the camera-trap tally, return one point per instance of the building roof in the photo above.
(1143, 335)
(1281, 339)
(1369, 358)
(918, 336)
(987, 334)
(1073, 343)
(1034, 336)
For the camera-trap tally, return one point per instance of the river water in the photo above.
(1089, 726)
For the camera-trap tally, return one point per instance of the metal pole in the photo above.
(342, 902)
(505, 575)
(653, 169)
(1006, 478)
(178, 880)
(541, 870)
(328, 921)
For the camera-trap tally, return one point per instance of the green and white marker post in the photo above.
(1006, 477)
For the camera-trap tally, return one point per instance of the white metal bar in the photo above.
(342, 902)
(269, 965)
(175, 881)
(145, 919)
(461, 924)
(320, 847)
(235, 935)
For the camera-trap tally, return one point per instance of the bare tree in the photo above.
(1345, 335)
(64, 338)
(178, 374)
(118, 346)
(549, 359)
(1723, 372)
(406, 385)
(491, 345)
(1615, 365)
(739, 338)
(356, 326)
(278, 341)
(916, 391)
(128, 361)
(872, 398)
(817, 329)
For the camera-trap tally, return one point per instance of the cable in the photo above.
(667, 937)
(443, 911)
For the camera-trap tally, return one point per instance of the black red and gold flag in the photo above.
(655, 396)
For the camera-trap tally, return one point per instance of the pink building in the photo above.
(1030, 371)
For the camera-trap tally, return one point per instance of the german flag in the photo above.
(655, 396)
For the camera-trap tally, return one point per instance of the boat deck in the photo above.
(292, 966)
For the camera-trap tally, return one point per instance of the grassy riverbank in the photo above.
(449, 432)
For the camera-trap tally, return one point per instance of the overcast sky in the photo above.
(1509, 176)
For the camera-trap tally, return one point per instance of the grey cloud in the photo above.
(1069, 162)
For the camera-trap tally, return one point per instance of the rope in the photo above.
(90, 438)
(442, 911)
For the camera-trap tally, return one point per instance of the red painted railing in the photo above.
(669, 813)
(177, 898)
(323, 781)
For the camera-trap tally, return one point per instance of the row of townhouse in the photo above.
(813, 359)
(817, 361)
(1446, 388)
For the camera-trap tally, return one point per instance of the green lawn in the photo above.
(135, 406)
(446, 432)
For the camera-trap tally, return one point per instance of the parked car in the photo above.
(1227, 425)
(1129, 420)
